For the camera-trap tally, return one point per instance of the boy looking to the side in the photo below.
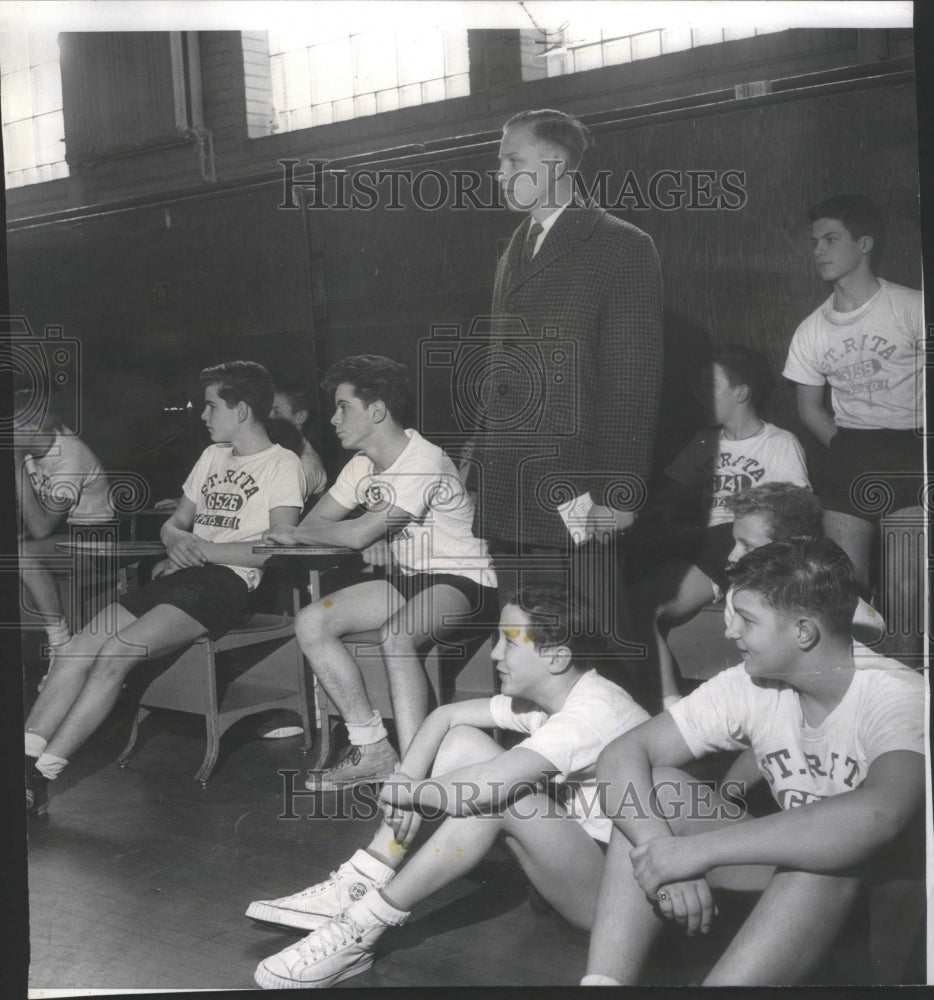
(417, 521)
(238, 487)
(568, 714)
(841, 747)
(864, 342)
(740, 451)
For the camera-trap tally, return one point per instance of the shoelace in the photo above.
(349, 758)
(329, 938)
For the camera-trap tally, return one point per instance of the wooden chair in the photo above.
(255, 667)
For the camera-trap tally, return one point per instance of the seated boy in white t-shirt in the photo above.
(238, 487)
(293, 403)
(417, 521)
(741, 450)
(59, 482)
(841, 745)
(540, 796)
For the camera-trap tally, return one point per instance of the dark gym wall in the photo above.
(156, 292)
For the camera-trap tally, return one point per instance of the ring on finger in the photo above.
(662, 896)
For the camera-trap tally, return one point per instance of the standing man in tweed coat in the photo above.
(570, 400)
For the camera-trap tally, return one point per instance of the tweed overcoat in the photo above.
(569, 395)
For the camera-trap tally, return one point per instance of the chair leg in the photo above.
(124, 757)
(323, 718)
(211, 720)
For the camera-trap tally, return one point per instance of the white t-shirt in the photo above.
(882, 711)
(871, 357)
(594, 713)
(69, 477)
(315, 476)
(424, 483)
(233, 495)
(714, 467)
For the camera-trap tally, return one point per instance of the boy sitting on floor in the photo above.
(239, 486)
(417, 518)
(569, 713)
(842, 749)
(775, 512)
(740, 451)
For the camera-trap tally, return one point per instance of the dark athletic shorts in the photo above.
(213, 595)
(482, 601)
(872, 472)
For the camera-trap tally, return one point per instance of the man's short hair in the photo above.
(372, 377)
(557, 617)
(813, 575)
(559, 129)
(860, 216)
(791, 511)
(745, 366)
(298, 396)
(241, 382)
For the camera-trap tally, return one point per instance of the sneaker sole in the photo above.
(282, 733)
(271, 914)
(270, 981)
(340, 786)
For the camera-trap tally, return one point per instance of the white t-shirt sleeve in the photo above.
(715, 716)
(287, 482)
(344, 490)
(790, 461)
(198, 475)
(894, 719)
(802, 364)
(515, 715)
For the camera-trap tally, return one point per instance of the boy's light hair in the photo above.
(813, 575)
(792, 511)
(373, 378)
(556, 616)
(241, 382)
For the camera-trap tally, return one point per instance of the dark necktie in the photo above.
(529, 245)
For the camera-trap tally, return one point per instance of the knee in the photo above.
(463, 745)
(113, 661)
(312, 624)
(398, 648)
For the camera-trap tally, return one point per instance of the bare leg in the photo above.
(790, 929)
(462, 745)
(626, 923)
(854, 536)
(671, 595)
(319, 628)
(39, 582)
(159, 631)
(420, 621)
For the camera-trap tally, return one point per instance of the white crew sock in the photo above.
(50, 765)
(596, 979)
(58, 634)
(365, 733)
(34, 744)
(372, 867)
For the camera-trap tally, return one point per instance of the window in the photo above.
(320, 77)
(31, 107)
(576, 46)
